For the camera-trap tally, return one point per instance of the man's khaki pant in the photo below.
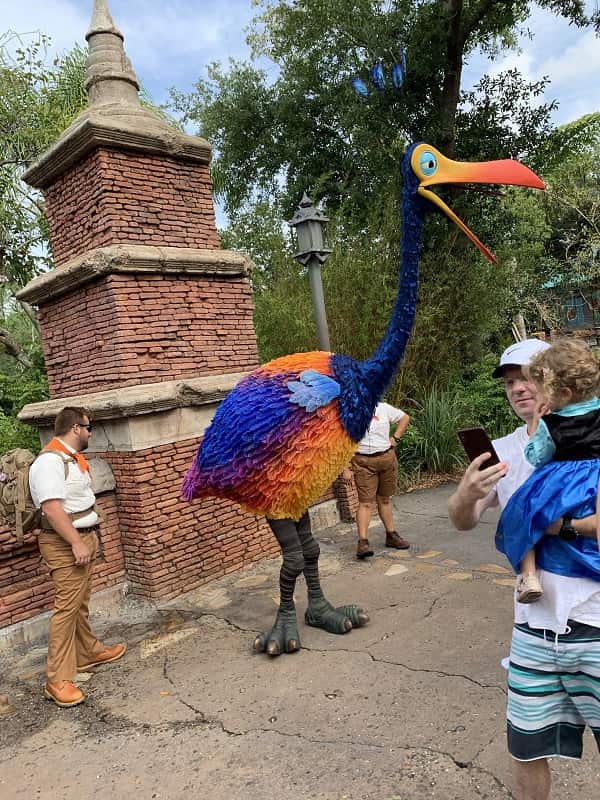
(70, 639)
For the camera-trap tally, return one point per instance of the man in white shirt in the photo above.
(553, 674)
(375, 470)
(60, 484)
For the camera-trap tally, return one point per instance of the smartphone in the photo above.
(476, 441)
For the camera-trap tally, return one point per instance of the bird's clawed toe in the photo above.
(283, 636)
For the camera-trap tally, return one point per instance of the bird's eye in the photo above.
(427, 163)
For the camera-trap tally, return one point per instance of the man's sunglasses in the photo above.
(88, 426)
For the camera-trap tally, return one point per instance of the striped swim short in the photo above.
(553, 691)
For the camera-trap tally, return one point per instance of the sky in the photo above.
(170, 43)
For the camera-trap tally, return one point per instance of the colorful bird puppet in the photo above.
(285, 432)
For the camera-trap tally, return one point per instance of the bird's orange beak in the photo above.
(432, 168)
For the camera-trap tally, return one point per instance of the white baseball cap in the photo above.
(519, 354)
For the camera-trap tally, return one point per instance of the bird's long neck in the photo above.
(362, 383)
(379, 369)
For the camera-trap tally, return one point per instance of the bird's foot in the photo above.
(283, 637)
(321, 614)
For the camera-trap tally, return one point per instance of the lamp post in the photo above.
(310, 224)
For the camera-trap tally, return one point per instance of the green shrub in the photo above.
(14, 434)
(430, 443)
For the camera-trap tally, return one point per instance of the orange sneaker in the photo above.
(64, 694)
(112, 653)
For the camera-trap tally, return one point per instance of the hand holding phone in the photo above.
(476, 441)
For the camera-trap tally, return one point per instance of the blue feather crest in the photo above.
(360, 87)
(377, 76)
(397, 76)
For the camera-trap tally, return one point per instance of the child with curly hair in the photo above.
(565, 449)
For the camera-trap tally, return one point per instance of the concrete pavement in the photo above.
(411, 706)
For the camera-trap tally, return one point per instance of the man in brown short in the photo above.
(375, 469)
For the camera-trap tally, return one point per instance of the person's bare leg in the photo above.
(384, 508)
(392, 537)
(532, 779)
(363, 517)
(528, 566)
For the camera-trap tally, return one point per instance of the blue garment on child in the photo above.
(561, 487)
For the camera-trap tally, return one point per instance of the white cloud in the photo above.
(567, 55)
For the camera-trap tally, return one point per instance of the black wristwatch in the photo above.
(567, 531)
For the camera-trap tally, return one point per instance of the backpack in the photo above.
(17, 509)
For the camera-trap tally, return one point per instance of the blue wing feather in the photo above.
(313, 390)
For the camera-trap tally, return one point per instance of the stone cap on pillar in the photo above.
(115, 117)
(144, 398)
(136, 258)
(143, 416)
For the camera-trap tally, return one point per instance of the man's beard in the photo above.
(82, 446)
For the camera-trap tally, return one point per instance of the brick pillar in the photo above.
(145, 320)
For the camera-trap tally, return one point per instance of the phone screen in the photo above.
(476, 441)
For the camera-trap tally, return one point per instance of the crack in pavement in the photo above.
(380, 660)
(177, 695)
(117, 725)
(468, 765)
(485, 746)
(441, 673)
(366, 651)
(431, 607)
(426, 514)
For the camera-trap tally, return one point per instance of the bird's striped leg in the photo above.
(283, 636)
(320, 613)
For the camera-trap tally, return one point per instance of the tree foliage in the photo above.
(554, 246)
(289, 121)
(38, 102)
(303, 126)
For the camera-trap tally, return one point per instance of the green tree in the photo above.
(305, 127)
(554, 244)
(299, 126)
(38, 101)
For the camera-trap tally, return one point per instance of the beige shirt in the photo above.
(47, 482)
(377, 438)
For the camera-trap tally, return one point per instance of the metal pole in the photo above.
(316, 290)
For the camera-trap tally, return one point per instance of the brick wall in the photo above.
(171, 546)
(115, 197)
(25, 583)
(347, 498)
(127, 329)
(160, 544)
